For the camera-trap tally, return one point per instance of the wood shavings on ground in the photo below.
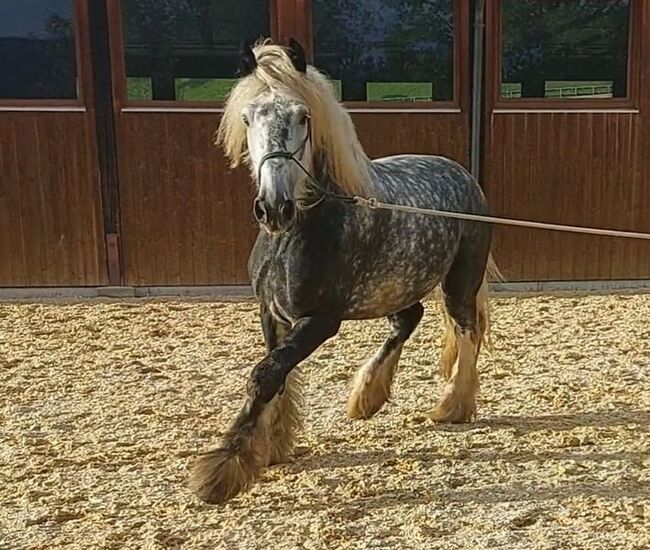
(103, 406)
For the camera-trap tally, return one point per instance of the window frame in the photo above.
(460, 68)
(494, 43)
(118, 62)
(83, 66)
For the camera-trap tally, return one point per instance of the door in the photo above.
(185, 215)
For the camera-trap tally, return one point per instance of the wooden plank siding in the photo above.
(186, 217)
(179, 216)
(292, 18)
(51, 225)
(51, 231)
(580, 168)
(571, 168)
(384, 134)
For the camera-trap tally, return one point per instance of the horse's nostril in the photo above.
(288, 210)
(259, 210)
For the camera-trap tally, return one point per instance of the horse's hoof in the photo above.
(364, 404)
(458, 413)
(222, 474)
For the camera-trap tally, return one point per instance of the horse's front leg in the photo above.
(222, 473)
(282, 415)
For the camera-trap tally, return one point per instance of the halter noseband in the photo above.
(315, 184)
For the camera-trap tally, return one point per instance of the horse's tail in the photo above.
(483, 309)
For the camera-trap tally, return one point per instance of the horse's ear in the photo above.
(247, 61)
(297, 55)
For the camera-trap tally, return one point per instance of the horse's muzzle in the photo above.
(276, 218)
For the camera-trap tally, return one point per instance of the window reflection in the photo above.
(564, 49)
(187, 50)
(37, 50)
(386, 50)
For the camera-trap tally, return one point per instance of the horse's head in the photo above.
(278, 138)
(283, 119)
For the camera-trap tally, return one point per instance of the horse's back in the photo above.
(427, 181)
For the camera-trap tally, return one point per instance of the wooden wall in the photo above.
(384, 134)
(51, 224)
(570, 168)
(186, 217)
(51, 229)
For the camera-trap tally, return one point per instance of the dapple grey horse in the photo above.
(321, 259)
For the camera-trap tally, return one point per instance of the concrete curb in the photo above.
(244, 292)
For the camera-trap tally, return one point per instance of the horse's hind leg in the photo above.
(372, 382)
(467, 317)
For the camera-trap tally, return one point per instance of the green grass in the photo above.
(573, 83)
(510, 89)
(138, 89)
(399, 91)
(187, 89)
(569, 87)
(203, 89)
(338, 88)
(216, 89)
(390, 91)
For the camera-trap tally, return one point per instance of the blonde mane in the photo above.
(334, 138)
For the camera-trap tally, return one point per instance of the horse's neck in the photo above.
(325, 180)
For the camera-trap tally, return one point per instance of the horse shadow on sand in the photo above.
(335, 463)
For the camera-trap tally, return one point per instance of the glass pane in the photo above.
(187, 50)
(565, 49)
(386, 50)
(399, 91)
(37, 50)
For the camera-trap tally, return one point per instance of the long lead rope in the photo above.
(376, 204)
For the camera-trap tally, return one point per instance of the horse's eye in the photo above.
(245, 119)
(303, 120)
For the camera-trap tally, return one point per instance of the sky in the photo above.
(22, 18)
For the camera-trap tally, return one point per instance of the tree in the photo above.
(385, 40)
(154, 24)
(563, 40)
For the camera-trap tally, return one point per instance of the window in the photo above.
(386, 50)
(187, 50)
(37, 50)
(564, 49)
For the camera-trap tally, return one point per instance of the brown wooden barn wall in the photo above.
(186, 219)
(570, 168)
(577, 168)
(384, 134)
(184, 216)
(51, 229)
(51, 226)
